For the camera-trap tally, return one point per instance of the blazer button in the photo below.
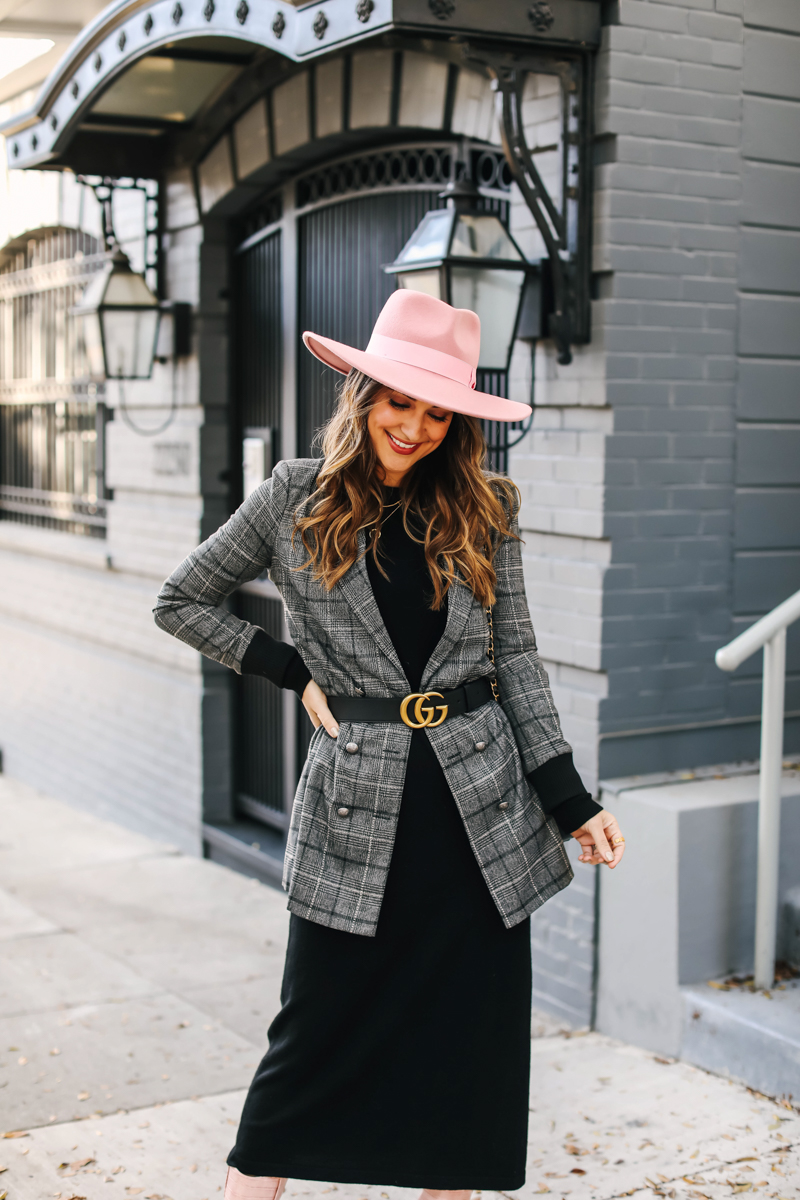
(480, 746)
(343, 812)
(503, 805)
(351, 747)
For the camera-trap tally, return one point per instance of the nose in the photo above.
(413, 429)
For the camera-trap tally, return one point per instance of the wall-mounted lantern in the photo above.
(469, 259)
(120, 321)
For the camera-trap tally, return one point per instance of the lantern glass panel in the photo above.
(482, 237)
(495, 297)
(429, 282)
(429, 240)
(93, 342)
(126, 288)
(129, 336)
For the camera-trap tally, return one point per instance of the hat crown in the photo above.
(415, 317)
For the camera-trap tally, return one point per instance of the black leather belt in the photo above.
(417, 709)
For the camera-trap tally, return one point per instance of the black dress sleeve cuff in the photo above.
(571, 814)
(562, 793)
(277, 661)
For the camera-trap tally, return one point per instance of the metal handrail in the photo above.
(769, 633)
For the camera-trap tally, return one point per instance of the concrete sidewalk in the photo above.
(136, 987)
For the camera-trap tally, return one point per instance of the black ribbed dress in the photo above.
(402, 1058)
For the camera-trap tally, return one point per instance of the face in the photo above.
(403, 431)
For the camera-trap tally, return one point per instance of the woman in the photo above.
(431, 812)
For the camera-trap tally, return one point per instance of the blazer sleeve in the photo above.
(190, 604)
(524, 686)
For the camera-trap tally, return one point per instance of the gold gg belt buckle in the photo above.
(423, 713)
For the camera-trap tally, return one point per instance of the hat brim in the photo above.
(416, 382)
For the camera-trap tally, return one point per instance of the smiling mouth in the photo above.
(402, 447)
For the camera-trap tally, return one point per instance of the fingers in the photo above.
(327, 718)
(602, 847)
(597, 839)
(316, 705)
(612, 833)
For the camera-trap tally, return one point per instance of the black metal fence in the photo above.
(51, 465)
(52, 419)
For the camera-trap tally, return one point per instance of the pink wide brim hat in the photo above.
(425, 349)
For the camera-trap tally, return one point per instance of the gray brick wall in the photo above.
(767, 494)
(696, 280)
(562, 944)
(690, 488)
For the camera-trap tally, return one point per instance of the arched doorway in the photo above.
(334, 229)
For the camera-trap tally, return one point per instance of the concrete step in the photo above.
(749, 1036)
(247, 847)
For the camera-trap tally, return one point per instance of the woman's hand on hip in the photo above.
(601, 840)
(316, 705)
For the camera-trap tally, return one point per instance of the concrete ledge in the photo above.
(745, 1036)
(232, 846)
(681, 910)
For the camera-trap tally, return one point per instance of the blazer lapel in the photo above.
(460, 600)
(357, 590)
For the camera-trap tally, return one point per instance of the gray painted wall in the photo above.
(699, 248)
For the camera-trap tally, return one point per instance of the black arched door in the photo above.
(350, 220)
(342, 288)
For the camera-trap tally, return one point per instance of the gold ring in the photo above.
(618, 840)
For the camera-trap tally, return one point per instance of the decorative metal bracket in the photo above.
(104, 187)
(565, 230)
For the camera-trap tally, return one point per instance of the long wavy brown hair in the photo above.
(450, 502)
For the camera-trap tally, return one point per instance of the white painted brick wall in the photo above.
(109, 730)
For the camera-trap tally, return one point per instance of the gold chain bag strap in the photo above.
(492, 682)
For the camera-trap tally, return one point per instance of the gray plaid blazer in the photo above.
(336, 866)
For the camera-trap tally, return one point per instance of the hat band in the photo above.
(412, 354)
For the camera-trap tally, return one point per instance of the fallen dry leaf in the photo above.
(577, 1171)
(55, 1051)
(193, 1168)
(16, 1133)
(668, 1062)
(83, 1095)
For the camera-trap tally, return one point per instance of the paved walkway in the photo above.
(136, 986)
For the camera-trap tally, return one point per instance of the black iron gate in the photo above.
(352, 218)
(260, 712)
